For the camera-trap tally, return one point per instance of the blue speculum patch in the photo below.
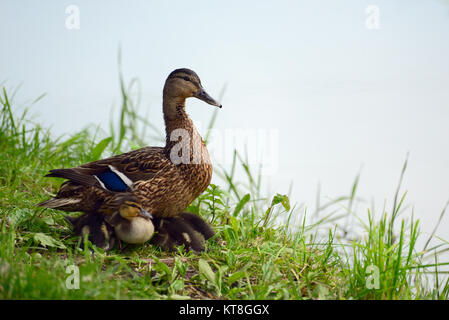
(112, 181)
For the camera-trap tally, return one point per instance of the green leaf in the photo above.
(47, 241)
(163, 267)
(48, 220)
(282, 199)
(97, 151)
(286, 203)
(236, 276)
(206, 270)
(17, 216)
(177, 285)
(321, 292)
(241, 204)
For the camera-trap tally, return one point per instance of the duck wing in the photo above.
(117, 173)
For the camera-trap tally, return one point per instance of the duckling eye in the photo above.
(131, 204)
(186, 78)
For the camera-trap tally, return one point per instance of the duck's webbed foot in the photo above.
(186, 229)
(97, 230)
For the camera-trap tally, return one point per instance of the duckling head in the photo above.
(138, 227)
(185, 83)
(131, 209)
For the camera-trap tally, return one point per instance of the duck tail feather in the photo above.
(55, 203)
(74, 176)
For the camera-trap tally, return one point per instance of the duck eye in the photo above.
(186, 78)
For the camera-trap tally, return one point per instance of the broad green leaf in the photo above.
(177, 285)
(286, 203)
(236, 276)
(47, 241)
(97, 151)
(48, 220)
(206, 270)
(282, 199)
(17, 216)
(241, 204)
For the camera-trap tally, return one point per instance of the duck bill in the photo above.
(203, 95)
(145, 214)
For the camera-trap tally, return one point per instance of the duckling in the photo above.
(98, 231)
(131, 222)
(121, 218)
(186, 229)
(164, 179)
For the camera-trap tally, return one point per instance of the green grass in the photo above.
(264, 248)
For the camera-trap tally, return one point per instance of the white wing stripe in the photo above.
(124, 178)
(101, 183)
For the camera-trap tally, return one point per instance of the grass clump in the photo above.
(253, 256)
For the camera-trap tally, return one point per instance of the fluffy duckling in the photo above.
(186, 229)
(131, 222)
(121, 218)
(97, 230)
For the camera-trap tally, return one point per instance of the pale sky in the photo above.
(338, 94)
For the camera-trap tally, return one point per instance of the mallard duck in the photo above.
(164, 179)
(121, 218)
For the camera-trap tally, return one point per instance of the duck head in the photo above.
(130, 209)
(185, 83)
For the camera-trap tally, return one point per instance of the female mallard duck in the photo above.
(121, 218)
(164, 179)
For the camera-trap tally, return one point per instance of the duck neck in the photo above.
(173, 108)
(183, 144)
(177, 121)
